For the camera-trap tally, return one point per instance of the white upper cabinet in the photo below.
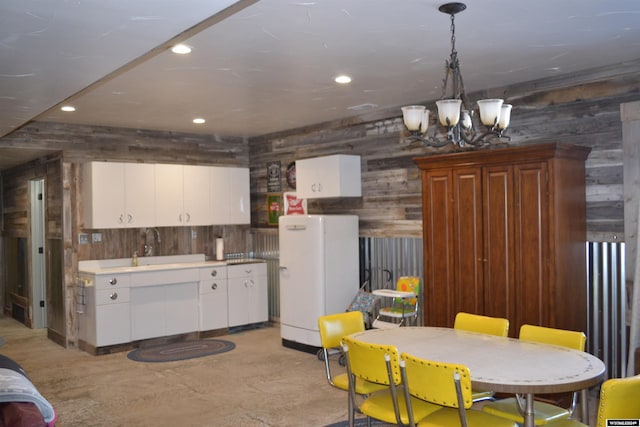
(230, 198)
(196, 195)
(182, 195)
(239, 196)
(118, 195)
(329, 176)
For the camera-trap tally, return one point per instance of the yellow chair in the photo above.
(379, 364)
(404, 303)
(447, 385)
(619, 399)
(333, 327)
(485, 325)
(545, 413)
(482, 324)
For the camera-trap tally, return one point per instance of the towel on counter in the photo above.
(16, 387)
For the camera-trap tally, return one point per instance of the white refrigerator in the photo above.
(319, 273)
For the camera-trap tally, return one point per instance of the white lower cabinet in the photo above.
(213, 298)
(105, 317)
(164, 303)
(137, 305)
(248, 294)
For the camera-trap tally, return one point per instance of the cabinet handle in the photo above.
(129, 218)
(188, 217)
(113, 281)
(180, 218)
(252, 283)
(248, 271)
(214, 273)
(214, 286)
(114, 296)
(246, 283)
(121, 219)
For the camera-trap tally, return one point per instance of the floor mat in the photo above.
(180, 350)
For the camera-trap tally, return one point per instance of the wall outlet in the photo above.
(96, 237)
(194, 234)
(83, 238)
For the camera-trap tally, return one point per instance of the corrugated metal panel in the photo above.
(266, 247)
(607, 335)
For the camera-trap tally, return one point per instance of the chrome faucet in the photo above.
(148, 243)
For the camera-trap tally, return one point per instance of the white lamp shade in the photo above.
(490, 111)
(505, 116)
(465, 119)
(449, 111)
(413, 116)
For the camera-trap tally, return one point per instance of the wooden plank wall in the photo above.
(70, 147)
(582, 109)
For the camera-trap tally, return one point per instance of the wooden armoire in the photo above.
(504, 233)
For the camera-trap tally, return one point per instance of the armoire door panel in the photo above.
(467, 235)
(504, 234)
(532, 299)
(438, 249)
(499, 287)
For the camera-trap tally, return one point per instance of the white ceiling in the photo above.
(263, 66)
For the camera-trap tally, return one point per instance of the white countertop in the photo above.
(123, 265)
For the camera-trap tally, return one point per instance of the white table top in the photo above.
(500, 364)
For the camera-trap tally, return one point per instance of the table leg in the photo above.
(529, 414)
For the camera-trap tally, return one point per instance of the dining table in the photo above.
(500, 364)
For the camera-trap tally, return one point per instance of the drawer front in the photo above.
(247, 270)
(210, 286)
(112, 296)
(215, 273)
(112, 281)
(164, 277)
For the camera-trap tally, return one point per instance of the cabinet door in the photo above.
(213, 304)
(239, 196)
(168, 204)
(103, 195)
(181, 308)
(237, 289)
(499, 256)
(220, 183)
(196, 195)
(439, 296)
(259, 299)
(139, 193)
(112, 324)
(467, 242)
(532, 299)
(147, 312)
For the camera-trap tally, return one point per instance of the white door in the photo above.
(38, 264)
(302, 275)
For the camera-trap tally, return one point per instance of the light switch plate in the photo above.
(83, 238)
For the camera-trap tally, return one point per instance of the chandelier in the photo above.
(454, 112)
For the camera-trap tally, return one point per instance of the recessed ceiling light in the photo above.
(343, 79)
(68, 108)
(181, 49)
(199, 120)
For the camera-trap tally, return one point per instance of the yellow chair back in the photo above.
(335, 326)
(561, 337)
(367, 361)
(434, 381)
(482, 324)
(619, 399)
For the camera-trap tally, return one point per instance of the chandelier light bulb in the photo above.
(505, 116)
(490, 111)
(413, 116)
(449, 112)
